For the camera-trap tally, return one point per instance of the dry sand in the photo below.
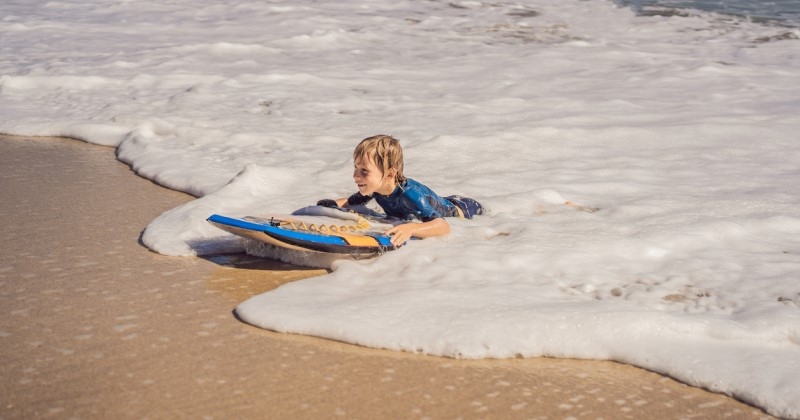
(96, 326)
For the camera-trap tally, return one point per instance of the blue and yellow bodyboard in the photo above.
(350, 240)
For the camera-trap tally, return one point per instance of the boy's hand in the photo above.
(327, 202)
(401, 233)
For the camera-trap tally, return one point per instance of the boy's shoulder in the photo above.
(411, 184)
(415, 186)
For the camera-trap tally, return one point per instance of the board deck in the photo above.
(284, 233)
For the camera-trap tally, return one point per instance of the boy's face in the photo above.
(370, 179)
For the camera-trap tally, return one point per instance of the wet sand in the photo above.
(96, 326)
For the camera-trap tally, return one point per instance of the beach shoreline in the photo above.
(97, 326)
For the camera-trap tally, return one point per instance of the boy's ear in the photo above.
(392, 173)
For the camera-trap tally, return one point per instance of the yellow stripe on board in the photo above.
(357, 240)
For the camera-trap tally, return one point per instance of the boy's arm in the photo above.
(402, 233)
(340, 202)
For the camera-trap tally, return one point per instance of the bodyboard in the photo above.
(323, 230)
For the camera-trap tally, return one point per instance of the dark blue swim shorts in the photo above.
(467, 205)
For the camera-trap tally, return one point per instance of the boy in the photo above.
(378, 173)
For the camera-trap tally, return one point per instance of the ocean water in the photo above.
(681, 128)
(784, 12)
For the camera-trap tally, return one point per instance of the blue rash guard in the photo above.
(410, 200)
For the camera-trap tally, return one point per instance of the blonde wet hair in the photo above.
(385, 152)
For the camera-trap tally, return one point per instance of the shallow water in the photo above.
(95, 326)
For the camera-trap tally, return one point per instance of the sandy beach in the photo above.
(96, 326)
